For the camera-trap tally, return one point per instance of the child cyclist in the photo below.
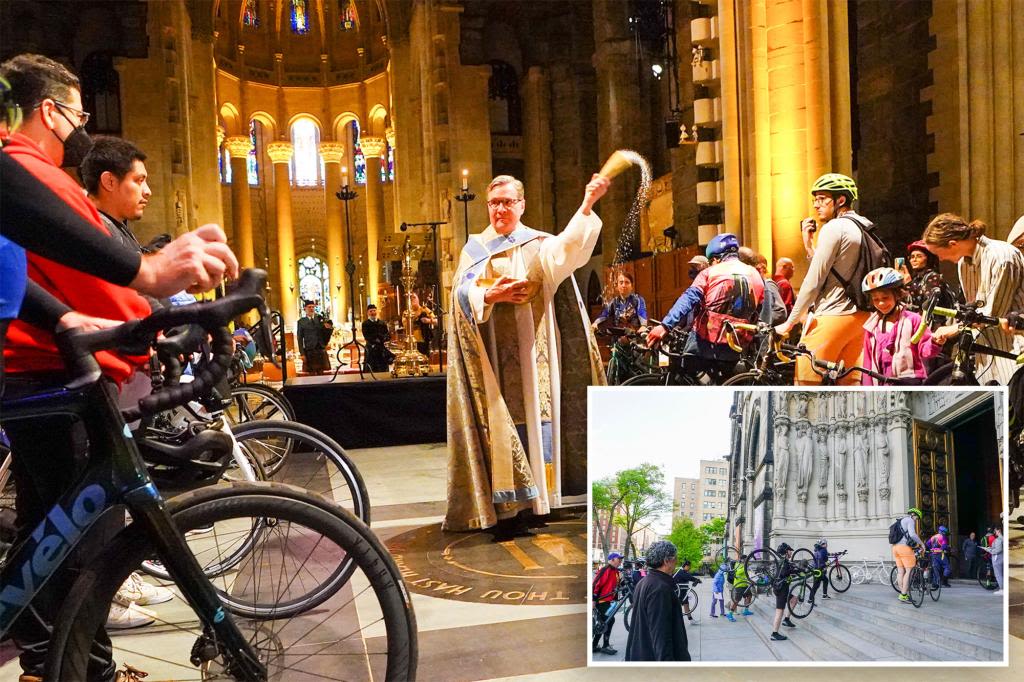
(889, 346)
(717, 586)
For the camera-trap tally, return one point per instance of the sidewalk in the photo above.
(864, 624)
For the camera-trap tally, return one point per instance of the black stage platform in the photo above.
(372, 413)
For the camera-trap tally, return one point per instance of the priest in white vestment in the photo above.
(521, 353)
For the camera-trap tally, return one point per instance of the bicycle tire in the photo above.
(803, 605)
(263, 402)
(748, 379)
(302, 456)
(916, 586)
(86, 606)
(691, 600)
(935, 590)
(839, 578)
(803, 556)
(729, 552)
(627, 616)
(648, 379)
(987, 576)
(894, 578)
(858, 575)
(762, 562)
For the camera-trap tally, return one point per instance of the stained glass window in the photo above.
(359, 159)
(224, 163)
(300, 16)
(250, 17)
(348, 18)
(306, 164)
(388, 172)
(251, 163)
(314, 284)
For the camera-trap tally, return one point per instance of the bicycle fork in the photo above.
(220, 633)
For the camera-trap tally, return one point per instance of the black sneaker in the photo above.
(825, 596)
(776, 637)
(607, 650)
(689, 617)
(788, 623)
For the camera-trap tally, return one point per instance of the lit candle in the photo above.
(344, 176)
(465, 178)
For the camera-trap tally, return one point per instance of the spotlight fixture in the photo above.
(656, 69)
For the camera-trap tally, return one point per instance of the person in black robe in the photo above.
(658, 632)
(313, 332)
(376, 334)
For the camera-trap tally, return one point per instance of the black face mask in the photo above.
(76, 145)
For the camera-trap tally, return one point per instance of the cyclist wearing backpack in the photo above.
(728, 290)
(905, 541)
(780, 587)
(938, 545)
(846, 251)
(740, 589)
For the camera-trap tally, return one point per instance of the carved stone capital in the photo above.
(332, 152)
(221, 134)
(883, 493)
(238, 146)
(389, 135)
(862, 494)
(280, 152)
(373, 147)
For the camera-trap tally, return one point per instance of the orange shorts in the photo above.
(835, 338)
(904, 556)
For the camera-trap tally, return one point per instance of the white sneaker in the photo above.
(126, 617)
(998, 592)
(150, 594)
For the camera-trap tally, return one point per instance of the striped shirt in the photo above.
(994, 274)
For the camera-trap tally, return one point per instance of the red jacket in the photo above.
(605, 583)
(29, 349)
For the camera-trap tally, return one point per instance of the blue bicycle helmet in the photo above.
(881, 278)
(722, 244)
(943, 530)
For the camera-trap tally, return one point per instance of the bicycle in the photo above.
(769, 365)
(961, 370)
(687, 597)
(839, 577)
(213, 639)
(621, 596)
(799, 601)
(986, 572)
(676, 373)
(627, 356)
(867, 571)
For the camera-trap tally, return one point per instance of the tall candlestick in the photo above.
(465, 178)
(344, 176)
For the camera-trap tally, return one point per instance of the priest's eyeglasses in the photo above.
(504, 203)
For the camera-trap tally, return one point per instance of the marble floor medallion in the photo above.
(547, 568)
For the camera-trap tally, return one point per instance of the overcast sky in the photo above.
(667, 426)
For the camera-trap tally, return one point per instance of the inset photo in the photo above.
(785, 526)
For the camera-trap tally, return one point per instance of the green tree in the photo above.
(688, 539)
(631, 498)
(713, 533)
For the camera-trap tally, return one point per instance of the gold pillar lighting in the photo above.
(238, 147)
(374, 148)
(280, 154)
(333, 154)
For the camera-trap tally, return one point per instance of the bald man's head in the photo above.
(785, 268)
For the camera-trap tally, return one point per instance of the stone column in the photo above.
(241, 209)
(373, 148)
(537, 149)
(280, 154)
(333, 154)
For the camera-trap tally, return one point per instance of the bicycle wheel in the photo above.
(894, 575)
(598, 629)
(803, 557)
(802, 606)
(762, 564)
(691, 600)
(917, 587)
(729, 552)
(747, 379)
(987, 576)
(648, 379)
(627, 616)
(300, 455)
(304, 535)
(839, 578)
(858, 575)
(257, 401)
(934, 590)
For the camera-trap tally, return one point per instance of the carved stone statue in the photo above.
(781, 461)
(840, 399)
(882, 452)
(821, 445)
(805, 460)
(803, 401)
(842, 447)
(861, 403)
(860, 461)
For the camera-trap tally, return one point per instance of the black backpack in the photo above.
(873, 254)
(896, 532)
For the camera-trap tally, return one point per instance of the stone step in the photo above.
(824, 641)
(947, 634)
(889, 604)
(787, 650)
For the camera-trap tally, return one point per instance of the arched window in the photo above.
(252, 163)
(503, 93)
(300, 16)
(224, 163)
(358, 159)
(250, 15)
(348, 19)
(387, 171)
(314, 283)
(306, 165)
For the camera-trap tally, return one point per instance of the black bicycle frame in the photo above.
(115, 475)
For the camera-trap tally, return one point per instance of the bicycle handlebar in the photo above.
(137, 336)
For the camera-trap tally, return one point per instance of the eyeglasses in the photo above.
(821, 201)
(83, 116)
(506, 203)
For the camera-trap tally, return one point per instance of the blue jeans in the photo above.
(940, 566)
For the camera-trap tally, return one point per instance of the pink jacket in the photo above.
(891, 352)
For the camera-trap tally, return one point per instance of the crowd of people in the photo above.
(855, 305)
(656, 585)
